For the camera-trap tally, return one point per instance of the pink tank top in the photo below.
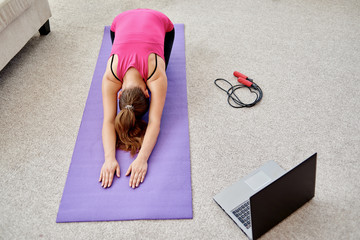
(138, 33)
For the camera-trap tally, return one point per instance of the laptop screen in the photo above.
(282, 197)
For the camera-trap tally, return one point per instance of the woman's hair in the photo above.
(130, 129)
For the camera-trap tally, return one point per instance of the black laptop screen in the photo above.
(282, 197)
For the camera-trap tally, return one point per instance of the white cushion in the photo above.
(11, 9)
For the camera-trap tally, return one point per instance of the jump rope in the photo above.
(245, 82)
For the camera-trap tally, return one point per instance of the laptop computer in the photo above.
(268, 195)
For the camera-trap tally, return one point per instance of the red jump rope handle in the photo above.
(239, 75)
(244, 81)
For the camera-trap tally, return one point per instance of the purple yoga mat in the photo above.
(166, 191)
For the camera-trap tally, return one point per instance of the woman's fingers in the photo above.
(138, 180)
(128, 171)
(103, 180)
(108, 172)
(131, 179)
(137, 171)
(142, 177)
(118, 171)
(137, 176)
(100, 176)
(133, 182)
(106, 179)
(111, 177)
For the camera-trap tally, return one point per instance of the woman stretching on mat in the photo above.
(142, 42)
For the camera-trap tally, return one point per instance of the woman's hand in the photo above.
(107, 172)
(138, 169)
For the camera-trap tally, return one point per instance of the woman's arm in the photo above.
(158, 89)
(109, 93)
(158, 94)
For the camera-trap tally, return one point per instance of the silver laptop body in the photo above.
(235, 198)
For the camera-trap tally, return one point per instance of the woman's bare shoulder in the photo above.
(159, 63)
(109, 74)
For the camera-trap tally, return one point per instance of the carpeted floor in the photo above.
(305, 55)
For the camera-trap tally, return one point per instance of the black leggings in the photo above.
(168, 43)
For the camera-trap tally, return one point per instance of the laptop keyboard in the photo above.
(242, 212)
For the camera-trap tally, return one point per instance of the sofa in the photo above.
(19, 22)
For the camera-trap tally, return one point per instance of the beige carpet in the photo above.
(305, 55)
